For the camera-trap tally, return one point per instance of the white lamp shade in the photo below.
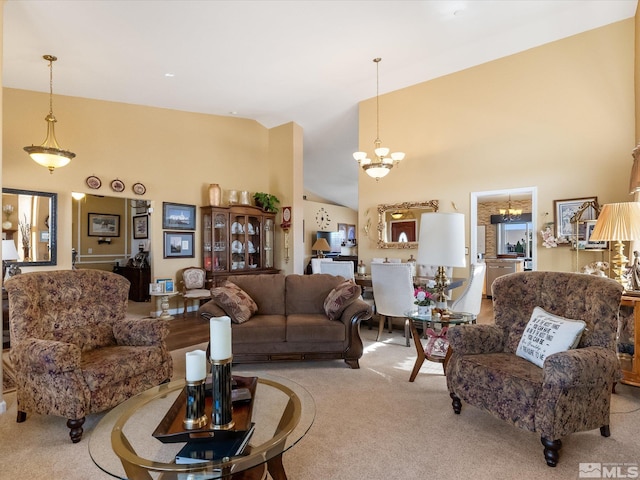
(441, 240)
(617, 222)
(9, 251)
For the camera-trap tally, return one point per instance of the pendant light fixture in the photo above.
(510, 214)
(379, 167)
(49, 154)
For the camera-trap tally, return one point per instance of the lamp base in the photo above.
(620, 262)
(442, 282)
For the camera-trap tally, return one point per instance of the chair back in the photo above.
(593, 299)
(392, 288)
(315, 263)
(471, 299)
(194, 278)
(342, 268)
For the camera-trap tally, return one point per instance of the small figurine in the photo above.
(635, 271)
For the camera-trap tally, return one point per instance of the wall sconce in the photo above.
(104, 240)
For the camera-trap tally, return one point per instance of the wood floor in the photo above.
(191, 329)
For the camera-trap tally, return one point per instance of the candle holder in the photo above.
(195, 416)
(221, 411)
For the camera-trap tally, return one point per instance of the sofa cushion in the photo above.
(307, 293)
(340, 298)
(260, 329)
(546, 334)
(314, 328)
(267, 290)
(234, 301)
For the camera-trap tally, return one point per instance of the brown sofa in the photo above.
(291, 323)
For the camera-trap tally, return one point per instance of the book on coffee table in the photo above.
(207, 451)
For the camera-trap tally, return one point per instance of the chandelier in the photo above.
(383, 162)
(510, 214)
(49, 154)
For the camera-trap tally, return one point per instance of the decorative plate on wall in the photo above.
(117, 185)
(93, 182)
(139, 189)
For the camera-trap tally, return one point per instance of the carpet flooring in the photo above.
(370, 423)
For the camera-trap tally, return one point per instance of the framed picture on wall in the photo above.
(589, 226)
(177, 216)
(564, 210)
(141, 226)
(342, 230)
(103, 225)
(178, 245)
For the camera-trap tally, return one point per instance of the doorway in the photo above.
(477, 241)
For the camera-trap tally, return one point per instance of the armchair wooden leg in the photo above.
(381, 320)
(21, 417)
(456, 403)
(604, 431)
(551, 451)
(76, 429)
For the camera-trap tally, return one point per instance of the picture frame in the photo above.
(140, 227)
(564, 210)
(103, 225)
(178, 245)
(156, 288)
(178, 216)
(589, 226)
(351, 233)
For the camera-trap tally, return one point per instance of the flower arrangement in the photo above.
(25, 233)
(8, 210)
(424, 296)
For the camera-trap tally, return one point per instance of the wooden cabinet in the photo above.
(629, 340)
(139, 278)
(237, 240)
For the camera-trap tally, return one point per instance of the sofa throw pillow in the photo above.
(546, 334)
(340, 298)
(234, 301)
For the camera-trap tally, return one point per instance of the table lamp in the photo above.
(618, 222)
(441, 243)
(9, 253)
(321, 245)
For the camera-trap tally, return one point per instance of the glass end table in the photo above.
(436, 324)
(123, 446)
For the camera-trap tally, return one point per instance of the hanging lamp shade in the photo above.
(49, 154)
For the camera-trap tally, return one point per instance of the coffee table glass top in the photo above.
(122, 444)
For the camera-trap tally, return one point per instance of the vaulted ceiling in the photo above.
(277, 61)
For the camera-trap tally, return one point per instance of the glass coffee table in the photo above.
(436, 337)
(124, 446)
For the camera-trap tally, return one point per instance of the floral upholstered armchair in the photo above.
(571, 391)
(72, 349)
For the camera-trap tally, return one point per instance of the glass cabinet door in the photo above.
(207, 241)
(238, 242)
(220, 239)
(254, 229)
(268, 242)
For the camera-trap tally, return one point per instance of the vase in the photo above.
(7, 225)
(424, 310)
(215, 195)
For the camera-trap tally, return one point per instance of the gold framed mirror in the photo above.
(399, 223)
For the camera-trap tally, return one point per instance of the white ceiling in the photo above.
(277, 61)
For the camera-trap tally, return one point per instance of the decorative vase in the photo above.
(215, 195)
(7, 225)
(424, 310)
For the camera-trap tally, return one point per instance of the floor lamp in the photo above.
(618, 222)
(441, 243)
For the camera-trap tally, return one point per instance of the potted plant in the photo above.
(266, 201)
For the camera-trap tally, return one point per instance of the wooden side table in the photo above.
(631, 366)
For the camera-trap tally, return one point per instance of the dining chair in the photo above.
(344, 268)
(393, 293)
(315, 263)
(470, 300)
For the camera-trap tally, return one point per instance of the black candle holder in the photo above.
(222, 406)
(195, 416)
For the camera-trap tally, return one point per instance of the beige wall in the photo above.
(559, 117)
(175, 154)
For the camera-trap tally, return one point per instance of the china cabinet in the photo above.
(237, 240)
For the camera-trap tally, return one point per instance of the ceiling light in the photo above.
(379, 167)
(77, 195)
(49, 154)
(510, 214)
